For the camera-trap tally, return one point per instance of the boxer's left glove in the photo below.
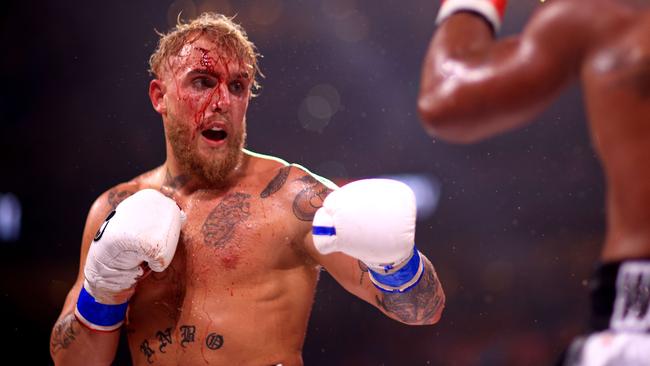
(143, 228)
(373, 220)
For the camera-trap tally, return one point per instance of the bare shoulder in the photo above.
(292, 184)
(112, 197)
(585, 20)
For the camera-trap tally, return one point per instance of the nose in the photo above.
(221, 98)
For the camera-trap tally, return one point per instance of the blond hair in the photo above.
(222, 30)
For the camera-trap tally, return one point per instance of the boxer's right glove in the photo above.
(143, 228)
(491, 10)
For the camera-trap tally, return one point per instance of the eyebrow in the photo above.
(203, 71)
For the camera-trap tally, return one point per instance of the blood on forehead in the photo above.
(208, 57)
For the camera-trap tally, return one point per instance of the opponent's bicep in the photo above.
(474, 86)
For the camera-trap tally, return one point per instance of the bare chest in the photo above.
(235, 237)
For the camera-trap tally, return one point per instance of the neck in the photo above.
(181, 179)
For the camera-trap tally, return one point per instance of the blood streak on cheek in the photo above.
(208, 63)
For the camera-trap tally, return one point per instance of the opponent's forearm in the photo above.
(420, 305)
(73, 344)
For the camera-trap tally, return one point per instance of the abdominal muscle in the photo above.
(261, 322)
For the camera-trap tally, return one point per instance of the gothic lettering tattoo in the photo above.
(147, 351)
(420, 304)
(187, 334)
(276, 183)
(64, 333)
(214, 341)
(310, 199)
(115, 197)
(164, 338)
(220, 225)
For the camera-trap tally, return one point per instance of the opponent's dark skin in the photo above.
(474, 87)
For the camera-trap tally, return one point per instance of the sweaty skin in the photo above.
(240, 288)
(474, 87)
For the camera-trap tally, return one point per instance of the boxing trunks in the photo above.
(620, 318)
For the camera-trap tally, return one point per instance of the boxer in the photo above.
(214, 257)
(474, 86)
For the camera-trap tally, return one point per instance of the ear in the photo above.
(156, 94)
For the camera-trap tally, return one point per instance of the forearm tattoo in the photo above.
(64, 333)
(220, 225)
(310, 198)
(418, 305)
(364, 270)
(276, 183)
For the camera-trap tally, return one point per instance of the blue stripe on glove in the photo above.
(323, 230)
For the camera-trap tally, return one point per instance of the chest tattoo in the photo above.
(220, 225)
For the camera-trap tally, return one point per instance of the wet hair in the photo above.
(227, 35)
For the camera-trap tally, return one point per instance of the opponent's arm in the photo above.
(474, 86)
(363, 236)
(118, 238)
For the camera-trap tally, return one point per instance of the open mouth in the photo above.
(215, 134)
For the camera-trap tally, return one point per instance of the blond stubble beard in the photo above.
(213, 171)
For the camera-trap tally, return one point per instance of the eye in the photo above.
(236, 87)
(203, 82)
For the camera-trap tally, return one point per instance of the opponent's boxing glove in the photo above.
(373, 220)
(143, 228)
(491, 10)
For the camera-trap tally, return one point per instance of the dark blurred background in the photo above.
(514, 224)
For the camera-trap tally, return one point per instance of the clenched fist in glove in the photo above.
(373, 220)
(143, 228)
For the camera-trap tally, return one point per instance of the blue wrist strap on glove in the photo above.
(99, 316)
(401, 280)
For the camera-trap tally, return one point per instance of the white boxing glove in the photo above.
(373, 220)
(143, 228)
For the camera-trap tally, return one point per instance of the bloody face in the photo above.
(206, 97)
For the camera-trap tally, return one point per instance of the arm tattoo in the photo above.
(420, 304)
(172, 184)
(364, 270)
(116, 196)
(310, 199)
(220, 225)
(276, 183)
(64, 333)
